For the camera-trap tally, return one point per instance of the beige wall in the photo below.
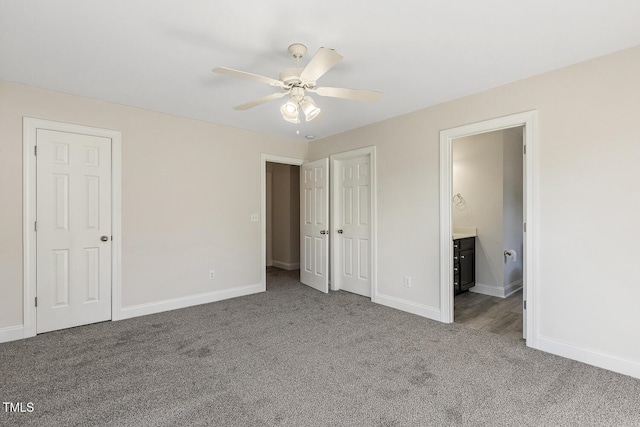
(588, 201)
(188, 190)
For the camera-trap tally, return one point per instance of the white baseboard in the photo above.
(497, 291)
(513, 288)
(408, 306)
(286, 265)
(11, 333)
(492, 290)
(590, 357)
(188, 301)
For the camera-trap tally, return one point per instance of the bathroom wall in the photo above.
(512, 174)
(487, 172)
(477, 176)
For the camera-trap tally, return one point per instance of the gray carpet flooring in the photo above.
(293, 356)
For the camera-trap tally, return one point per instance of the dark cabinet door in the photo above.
(464, 264)
(467, 268)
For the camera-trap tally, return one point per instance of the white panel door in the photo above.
(354, 225)
(314, 224)
(73, 229)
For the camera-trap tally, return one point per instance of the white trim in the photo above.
(497, 291)
(29, 135)
(116, 226)
(529, 120)
(264, 158)
(408, 306)
(188, 301)
(491, 290)
(11, 333)
(590, 357)
(513, 287)
(285, 265)
(335, 192)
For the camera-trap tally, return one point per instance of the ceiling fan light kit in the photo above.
(289, 111)
(296, 81)
(309, 108)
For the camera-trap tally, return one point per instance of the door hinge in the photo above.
(524, 304)
(524, 149)
(35, 225)
(525, 227)
(36, 301)
(35, 150)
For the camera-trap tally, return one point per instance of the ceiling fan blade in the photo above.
(354, 94)
(322, 61)
(249, 76)
(259, 101)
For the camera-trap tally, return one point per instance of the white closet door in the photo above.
(73, 230)
(314, 224)
(354, 225)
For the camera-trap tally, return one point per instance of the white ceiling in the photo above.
(158, 54)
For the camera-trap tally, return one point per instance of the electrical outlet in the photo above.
(254, 217)
(212, 274)
(407, 281)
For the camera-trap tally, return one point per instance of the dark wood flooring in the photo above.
(501, 316)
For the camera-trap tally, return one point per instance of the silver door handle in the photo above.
(340, 231)
(104, 238)
(323, 231)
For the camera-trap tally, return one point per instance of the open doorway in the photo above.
(528, 121)
(487, 220)
(271, 251)
(282, 219)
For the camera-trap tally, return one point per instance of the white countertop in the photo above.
(463, 233)
(457, 236)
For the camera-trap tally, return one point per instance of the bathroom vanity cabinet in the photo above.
(464, 264)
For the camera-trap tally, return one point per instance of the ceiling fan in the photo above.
(298, 81)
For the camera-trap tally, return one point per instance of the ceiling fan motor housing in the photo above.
(291, 76)
(297, 50)
(297, 94)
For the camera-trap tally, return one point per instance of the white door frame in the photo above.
(334, 184)
(29, 138)
(529, 120)
(264, 158)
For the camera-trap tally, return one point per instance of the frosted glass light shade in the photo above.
(309, 108)
(289, 112)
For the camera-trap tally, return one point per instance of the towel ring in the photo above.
(458, 200)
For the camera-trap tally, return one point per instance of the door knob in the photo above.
(104, 238)
(323, 231)
(340, 231)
